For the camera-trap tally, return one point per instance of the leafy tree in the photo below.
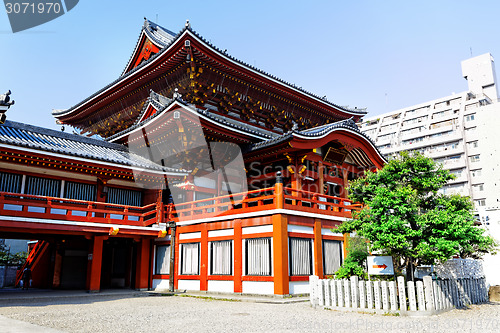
(357, 251)
(7, 258)
(405, 216)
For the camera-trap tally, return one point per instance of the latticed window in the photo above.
(79, 191)
(10, 182)
(258, 256)
(190, 258)
(162, 259)
(43, 186)
(300, 256)
(124, 197)
(332, 256)
(221, 255)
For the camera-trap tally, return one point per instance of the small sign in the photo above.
(380, 265)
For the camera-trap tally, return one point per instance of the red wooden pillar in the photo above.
(280, 251)
(238, 257)
(318, 249)
(204, 258)
(95, 264)
(346, 183)
(142, 264)
(177, 259)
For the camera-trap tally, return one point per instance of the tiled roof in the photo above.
(312, 132)
(47, 140)
(169, 42)
(212, 116)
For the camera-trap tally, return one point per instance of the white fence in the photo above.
(425, 297)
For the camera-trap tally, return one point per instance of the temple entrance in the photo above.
(118, 263)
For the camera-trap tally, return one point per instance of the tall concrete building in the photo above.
(458, 131)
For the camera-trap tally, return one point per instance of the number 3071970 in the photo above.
(32, 8)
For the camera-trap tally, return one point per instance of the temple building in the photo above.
(210, 175)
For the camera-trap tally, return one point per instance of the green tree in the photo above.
(357, 251)
(405, 216)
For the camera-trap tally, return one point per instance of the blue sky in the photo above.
(382, 55)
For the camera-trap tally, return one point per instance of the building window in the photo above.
(162, 259)
(473, 144)
(124, 197)
(258, 256)
(481, 203)
(474, 158)
(190, 258)
(221, 255)
(332, 256)
(469, 117)
(478, 187)
(79, 191)
(43, 186)
(476, 173)
(10, 182)
(300, 256)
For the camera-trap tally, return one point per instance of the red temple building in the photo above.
(210, 175)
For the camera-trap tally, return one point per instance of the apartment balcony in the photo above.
(447, 151)
(454, 163)
(462, 178)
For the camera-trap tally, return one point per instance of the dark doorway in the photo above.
(118, 264)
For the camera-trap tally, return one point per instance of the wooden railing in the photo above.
(52, 208)
(276, 197)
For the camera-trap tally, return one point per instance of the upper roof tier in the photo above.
(206, 77)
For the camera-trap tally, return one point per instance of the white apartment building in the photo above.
(458, 131)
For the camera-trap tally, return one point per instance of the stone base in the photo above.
(494, 294)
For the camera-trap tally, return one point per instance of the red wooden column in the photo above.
(95, 264)
(204, 258)
(318, 249)
(238, 257)
(142, 264)
(280, 251)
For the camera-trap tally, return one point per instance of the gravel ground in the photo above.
(189, 314)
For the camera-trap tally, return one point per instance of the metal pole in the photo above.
(171, 225)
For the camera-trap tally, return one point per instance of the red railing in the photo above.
(276, 197)
(35, 206)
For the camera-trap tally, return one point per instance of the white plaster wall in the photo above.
(300, 229)
(189, 284)
(190, 235)
(219, 233)
(257, 229)
(258, 287)
(299, 287)
(160, 284)
(221, 286)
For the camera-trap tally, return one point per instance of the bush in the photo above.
(357, 252)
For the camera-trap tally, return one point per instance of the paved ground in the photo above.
(140, 312)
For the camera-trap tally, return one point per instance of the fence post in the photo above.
(354, 291)
(369, 295)
(321, 293)
(312, 289)
(362, 295)
(420, 296)
(385, 295)
(347, 294)
(402, 294)
(326, 286)
(411, 296)
(393, 295)
(340, 293)
(333, 289)
(429, 294)
(376, 291)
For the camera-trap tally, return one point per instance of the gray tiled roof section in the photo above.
(43, 139)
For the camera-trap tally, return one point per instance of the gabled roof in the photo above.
(51, 141)
(157, 34)
(358, 155)
(149, 29)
